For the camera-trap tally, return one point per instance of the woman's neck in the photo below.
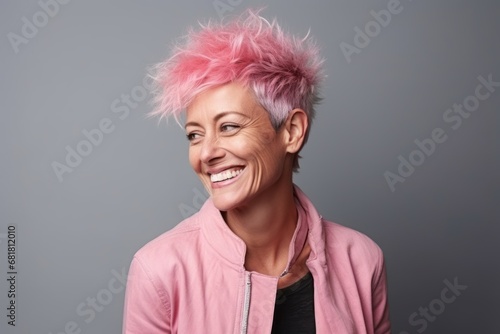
(266, 225)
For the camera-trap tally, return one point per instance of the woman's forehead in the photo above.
(222, 100)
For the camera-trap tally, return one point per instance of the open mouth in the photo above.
(226, 174)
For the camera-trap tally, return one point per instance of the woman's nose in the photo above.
(211, 149)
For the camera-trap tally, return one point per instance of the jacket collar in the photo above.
(229, 246)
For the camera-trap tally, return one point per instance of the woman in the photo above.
(257, 257)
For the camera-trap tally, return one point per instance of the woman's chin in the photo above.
(226, 202)
(223, 204)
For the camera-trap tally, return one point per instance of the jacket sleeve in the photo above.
(381, 322)
(146, 309)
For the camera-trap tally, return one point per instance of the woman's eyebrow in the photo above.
(217, 117)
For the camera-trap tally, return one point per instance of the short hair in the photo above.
(282, 70)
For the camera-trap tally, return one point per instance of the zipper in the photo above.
(246, 304)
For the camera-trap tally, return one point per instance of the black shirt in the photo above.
(294, 309)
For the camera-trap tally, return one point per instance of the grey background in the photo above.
(74, 236)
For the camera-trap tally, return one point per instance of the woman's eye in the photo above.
(228, 127)
(192, 136)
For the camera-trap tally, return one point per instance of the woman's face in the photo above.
(233, 148)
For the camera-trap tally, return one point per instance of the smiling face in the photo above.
(234, 149)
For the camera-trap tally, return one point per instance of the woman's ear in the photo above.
(295, 130)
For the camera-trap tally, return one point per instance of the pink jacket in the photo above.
(192, 279)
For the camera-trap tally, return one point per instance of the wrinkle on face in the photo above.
(255, 144)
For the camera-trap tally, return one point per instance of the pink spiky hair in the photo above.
(282, 70)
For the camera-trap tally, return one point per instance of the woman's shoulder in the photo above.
(172, 243)
(347, 235)
(344, 241)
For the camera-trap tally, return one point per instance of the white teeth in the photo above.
(225, 175)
